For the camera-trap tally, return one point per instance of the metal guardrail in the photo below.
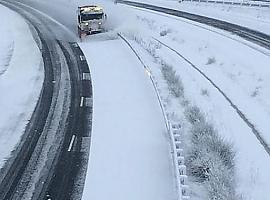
(255, 3)
(174, 133)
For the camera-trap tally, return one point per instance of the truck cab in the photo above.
(91, 20)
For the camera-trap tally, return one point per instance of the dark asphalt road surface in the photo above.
(254, 36)
(60, 127)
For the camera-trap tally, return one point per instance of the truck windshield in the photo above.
(86, 17)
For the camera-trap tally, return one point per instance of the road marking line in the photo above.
(86, 76)
(71, 142)
(82, 100)
(82, 58)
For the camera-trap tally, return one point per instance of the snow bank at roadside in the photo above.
(21, 77)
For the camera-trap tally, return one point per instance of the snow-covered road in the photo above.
(130, 153)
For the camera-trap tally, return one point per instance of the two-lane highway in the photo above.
(52, 156)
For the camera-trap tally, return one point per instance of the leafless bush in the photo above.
(204, 92)
(165, 32)
(221, 184)
(193, 114)
(150, 46)
(255, 92)
(211, 60)
(210, 159)
(173, 80)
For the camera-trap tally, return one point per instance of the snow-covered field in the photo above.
(237, 75)
(21, 77)
(254, 18)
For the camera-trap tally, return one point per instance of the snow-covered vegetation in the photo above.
(174, 82)
(209, 158)
(198, 45)
(223, 157)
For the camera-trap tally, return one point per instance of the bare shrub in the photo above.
(197, 165)
(175, 85)
(150, 46)
(224, 150)
(221, 183)
(165, 32)
(210, 159)
(193, 114)
(204, 92)
(255, 93)
(211, 60)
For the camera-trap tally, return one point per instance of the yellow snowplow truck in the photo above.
(91, 20)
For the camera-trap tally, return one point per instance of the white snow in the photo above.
(254, 18)
(21, 77)
(129, 157)
(235, 72)
(130, 153)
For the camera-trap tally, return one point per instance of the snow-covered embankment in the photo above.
(21, 78)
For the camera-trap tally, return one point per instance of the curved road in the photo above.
(52, 156)
(251, 35)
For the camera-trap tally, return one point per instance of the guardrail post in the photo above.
(183, 179)
(182, 169)
(181, 160)
(175, 131)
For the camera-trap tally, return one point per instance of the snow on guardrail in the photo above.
(254, 3)
(174, 133)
